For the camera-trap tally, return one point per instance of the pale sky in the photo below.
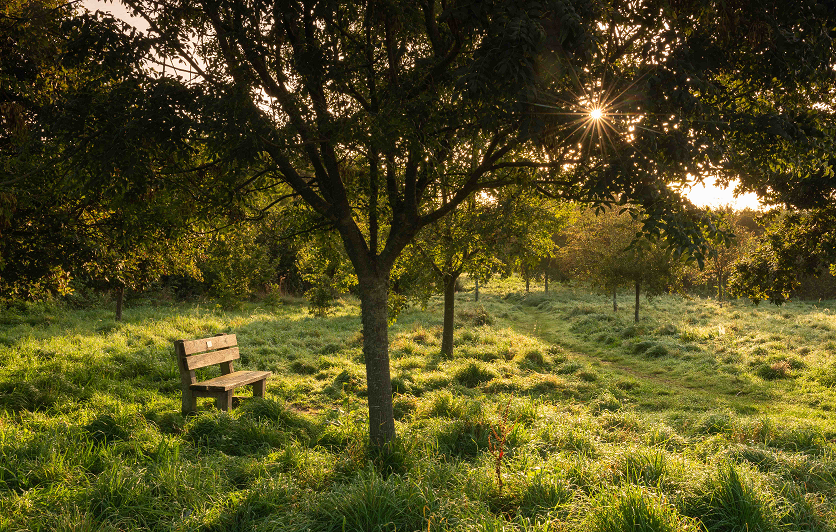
(710, 195)
(118, 10)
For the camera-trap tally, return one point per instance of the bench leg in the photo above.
(260, 388)
(189, 403)
(224, 400)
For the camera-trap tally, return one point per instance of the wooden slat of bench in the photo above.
(229, 382)
(204, 344)
(212, 357)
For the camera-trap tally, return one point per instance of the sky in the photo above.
(702, 195)
(117, 9)
(710, 195)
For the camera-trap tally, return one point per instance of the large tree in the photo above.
(80, 152)
(365, 110)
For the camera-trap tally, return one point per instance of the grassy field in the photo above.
(553, 414)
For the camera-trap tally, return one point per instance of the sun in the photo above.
(596, 114)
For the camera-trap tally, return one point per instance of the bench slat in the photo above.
(213, 357)
(191, 347)
(228, 382)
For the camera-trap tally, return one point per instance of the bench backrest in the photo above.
(194, 354)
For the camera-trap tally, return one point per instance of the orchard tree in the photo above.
(608, 250)
(739, 231)
(477, 238)
(122, 253)
(362, 109)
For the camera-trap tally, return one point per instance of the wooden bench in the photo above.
(221, 349)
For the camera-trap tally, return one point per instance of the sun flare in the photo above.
(596, 114)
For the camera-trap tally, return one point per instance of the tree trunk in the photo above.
(120, 299)
(638, 289)
(546, 280)
(527, 284)
(449, 313)
(614, 301)
(374, 305)
(477, 290)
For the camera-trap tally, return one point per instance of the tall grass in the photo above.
(699, 417)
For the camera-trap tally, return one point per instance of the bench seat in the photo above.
(231, 381)
(222, 350)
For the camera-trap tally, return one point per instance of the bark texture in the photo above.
(375, 318)
(638, 290)
(449, 314)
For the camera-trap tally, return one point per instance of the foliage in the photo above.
(367, 110)
(528, 241)
(80, 180)
(740, 230)
(794, 244)
(494, 233)
(607, 250)
(325, 267)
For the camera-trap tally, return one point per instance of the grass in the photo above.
(699, 417)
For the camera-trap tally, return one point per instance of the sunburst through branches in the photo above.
(595, 118)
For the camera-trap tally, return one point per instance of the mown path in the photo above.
(687, 384)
